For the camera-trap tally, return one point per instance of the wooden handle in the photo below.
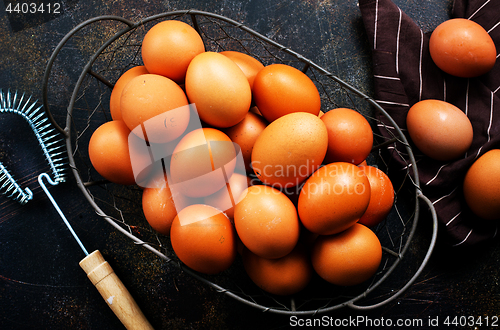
(113, 291)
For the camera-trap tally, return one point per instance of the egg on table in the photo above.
(462, 48)
(439, 129)
(481, 186)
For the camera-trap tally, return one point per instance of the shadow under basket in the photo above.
(111, 45)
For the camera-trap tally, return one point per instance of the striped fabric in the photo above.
(404, 74)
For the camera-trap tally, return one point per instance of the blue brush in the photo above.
(50, 142)
(97, 269)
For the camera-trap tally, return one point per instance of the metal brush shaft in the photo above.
(103, 277)
(56, 206)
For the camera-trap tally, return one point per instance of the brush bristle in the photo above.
(50, 141)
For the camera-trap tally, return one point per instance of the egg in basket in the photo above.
(248, 166)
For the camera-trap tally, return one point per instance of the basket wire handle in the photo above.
(56, 51)
(419, 270)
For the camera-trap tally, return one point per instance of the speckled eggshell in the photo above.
(266, 222)
(159, 208)
(334, 198)
(248, 64)
(348, 258)
(150, 101)
(168, 48)
(290, 149)
(381, 196)
(116, 93)
(195, 166)
(463, 48)
(203, 238)
(482, 186)
(109, 152)
(245, 133)
(283, 276)
(350, 136)
(280, 89)
(439, 129)
(218, 88)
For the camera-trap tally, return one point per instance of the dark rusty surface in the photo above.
(41, 284)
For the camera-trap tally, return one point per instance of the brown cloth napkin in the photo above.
(404, 74)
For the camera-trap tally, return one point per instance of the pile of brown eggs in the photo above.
(265, 175)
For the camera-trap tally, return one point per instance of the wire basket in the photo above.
(113, 45)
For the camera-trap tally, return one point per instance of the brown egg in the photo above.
(439, 129)
(347, 258)
(290, 149)
(219, 89)
(201, 162)
(350, 136)
(159, 202)
(203, 239)
(155, 105)
(168, 48)
(266, 222)
(463, 48)
(147, 158)
(284, 276)
(248, 64)
(381, 196)
(159, 208)
(280, 89)
(116, 93)
(226, 198)
(334, 198)
(245, 133)
(482, 186)
(109, 152)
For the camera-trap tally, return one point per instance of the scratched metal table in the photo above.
(41, 284)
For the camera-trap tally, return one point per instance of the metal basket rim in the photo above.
(66, 131)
